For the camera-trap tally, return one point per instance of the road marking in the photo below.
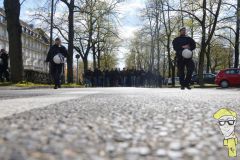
(9, 107)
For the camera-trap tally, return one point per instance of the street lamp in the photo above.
(51, 27)
(77, 57)
(51, 37)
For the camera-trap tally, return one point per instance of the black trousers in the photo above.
(4, 71)
(57, 73)
(185, 78)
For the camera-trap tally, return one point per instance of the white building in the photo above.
(35, 45)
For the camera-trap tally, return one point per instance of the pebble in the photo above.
(143, 151)
(192, 151)
(161, 152)
(176, 146)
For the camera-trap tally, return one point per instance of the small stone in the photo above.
(175, 154)
(122, 137)
(17, 155)
(143, 151)
(176, 146)
(192, 151)
(161, 152)
(163, 134)
(110, 147)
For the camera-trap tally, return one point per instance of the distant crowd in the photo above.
(122, 78)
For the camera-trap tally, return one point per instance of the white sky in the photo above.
(131, 22)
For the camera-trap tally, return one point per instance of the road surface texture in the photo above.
(113, 124)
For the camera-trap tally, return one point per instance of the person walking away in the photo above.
(1, 68)
(142, 78)
(181, 44)
(124, 77)
(56, 56)
(4, 65)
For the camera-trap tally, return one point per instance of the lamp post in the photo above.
(51, 42)
(77, 57)
(51, 25)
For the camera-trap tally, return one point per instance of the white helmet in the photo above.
(58, 59)
(186, 53)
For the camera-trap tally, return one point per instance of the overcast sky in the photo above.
(130, 21)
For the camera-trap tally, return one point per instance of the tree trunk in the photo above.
(170, 65)
(192, 19)
(203, 46)
(98, 56)
(152, 54)
(174, 72)
(94, 56)
(70, 44)
(159, 58)
(201, 63)
(182, 17)
(85, 64)
(164, 64)
(12, 10)
(236, 62)
(208, 59)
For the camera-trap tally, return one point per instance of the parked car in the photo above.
(169, 81)
(208, 78)
(228, 77)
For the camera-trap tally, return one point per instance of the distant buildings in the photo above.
(35, 45)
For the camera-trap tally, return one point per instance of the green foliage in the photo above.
(29, 84)
(221, 56)
(108, 61)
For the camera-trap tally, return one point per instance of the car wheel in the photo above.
(224, 84)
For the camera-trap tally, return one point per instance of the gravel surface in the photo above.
(121, 124)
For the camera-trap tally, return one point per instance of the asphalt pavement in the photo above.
(113, 124)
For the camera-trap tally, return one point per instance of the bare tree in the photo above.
(71, 6)
(12, 10)
(202, 20)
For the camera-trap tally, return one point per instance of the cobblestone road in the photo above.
(114, 124)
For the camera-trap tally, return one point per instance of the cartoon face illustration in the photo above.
(227, 122)
(227, 125)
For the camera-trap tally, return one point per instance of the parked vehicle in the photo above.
(177, 81)
(228, 77)
(208, 78)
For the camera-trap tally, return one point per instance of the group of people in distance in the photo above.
(122, 78)
(129, 77)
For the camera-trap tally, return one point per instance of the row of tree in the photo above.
(212, 23)
(88, 27)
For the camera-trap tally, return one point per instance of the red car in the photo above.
(228, 77)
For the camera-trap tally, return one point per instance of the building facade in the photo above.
(35, 46)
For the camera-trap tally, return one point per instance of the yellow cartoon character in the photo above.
(227, 122)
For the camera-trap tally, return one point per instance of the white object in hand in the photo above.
(186, 53)
(58, 59)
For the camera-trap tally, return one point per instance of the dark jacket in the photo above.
(4, 56)
(181, 41)
(54, 50)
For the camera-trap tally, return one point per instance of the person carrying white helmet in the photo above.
(56, 56)
(184, 46)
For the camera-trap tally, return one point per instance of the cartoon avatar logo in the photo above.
(227, 122)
